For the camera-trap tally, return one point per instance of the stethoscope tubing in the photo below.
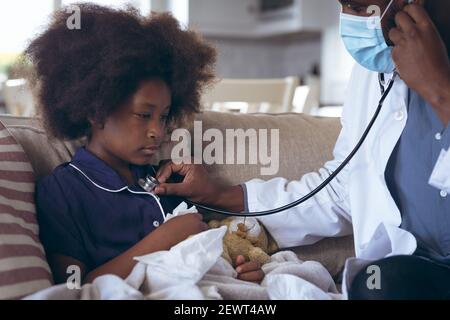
(327, 181)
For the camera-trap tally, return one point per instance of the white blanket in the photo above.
(195, 270)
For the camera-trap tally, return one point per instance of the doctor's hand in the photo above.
(195, 186)
(421, 58)
(198, 187)
(249, 271)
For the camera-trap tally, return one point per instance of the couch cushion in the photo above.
(23, 266)
(44, 153)
(305, 143)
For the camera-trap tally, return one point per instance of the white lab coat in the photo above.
(358, 200)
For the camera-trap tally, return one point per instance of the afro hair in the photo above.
(85, 74)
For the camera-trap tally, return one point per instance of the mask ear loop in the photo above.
(387, 9)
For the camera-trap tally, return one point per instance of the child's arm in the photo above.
(163, 238)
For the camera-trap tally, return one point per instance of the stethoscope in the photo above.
(150, 183)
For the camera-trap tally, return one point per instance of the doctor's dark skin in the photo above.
(421, 39)
(420, 35)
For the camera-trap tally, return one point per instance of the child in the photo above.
(120, 81)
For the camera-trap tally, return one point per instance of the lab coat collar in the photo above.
(401, 91)
(102, 175)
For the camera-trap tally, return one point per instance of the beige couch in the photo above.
(305, 144)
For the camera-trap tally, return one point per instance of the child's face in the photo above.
(133, 133)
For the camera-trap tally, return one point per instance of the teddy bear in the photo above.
(246, 237)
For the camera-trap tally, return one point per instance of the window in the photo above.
(179, 8)
(23, 20)
(142, 5)
(20, 21)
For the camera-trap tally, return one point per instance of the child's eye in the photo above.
(143, 115)
(164, 117)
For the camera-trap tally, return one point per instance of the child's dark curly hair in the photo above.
(86, 74)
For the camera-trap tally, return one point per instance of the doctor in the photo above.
(394, 196)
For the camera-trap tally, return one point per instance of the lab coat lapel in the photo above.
(394, 116)
(373, 204)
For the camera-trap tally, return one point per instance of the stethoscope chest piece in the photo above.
(149, 184)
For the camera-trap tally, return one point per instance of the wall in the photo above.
(267, 58)
(278, 56)
(336, 64)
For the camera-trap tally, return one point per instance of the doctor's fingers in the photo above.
(173, 189)
(396, 36)
(418, 14)
(164, 172)
(405, 23)
(169, 168)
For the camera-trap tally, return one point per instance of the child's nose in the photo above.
(154, 130)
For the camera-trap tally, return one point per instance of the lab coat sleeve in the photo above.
(440, 177)
(325, 215)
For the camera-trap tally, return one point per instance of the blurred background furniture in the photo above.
(252, 95)
(255, 39)
(18, 98)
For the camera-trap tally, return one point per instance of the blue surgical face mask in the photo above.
(363, 37)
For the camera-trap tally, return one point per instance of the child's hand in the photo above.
(249, 271)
